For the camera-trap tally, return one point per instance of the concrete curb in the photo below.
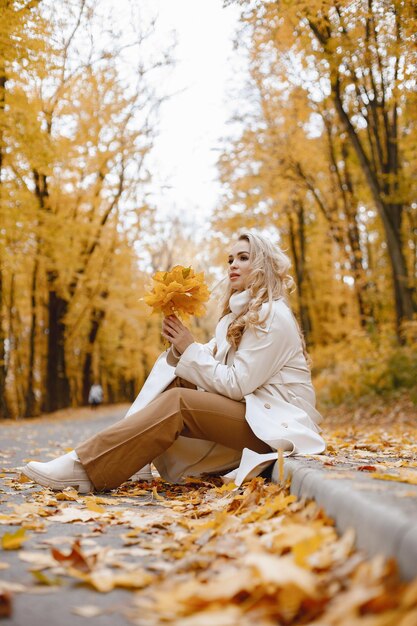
(380, 527)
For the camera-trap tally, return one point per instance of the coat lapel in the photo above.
(161, 375)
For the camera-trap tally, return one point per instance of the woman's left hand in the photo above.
(176, 333)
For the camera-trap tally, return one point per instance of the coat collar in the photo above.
(238, 300)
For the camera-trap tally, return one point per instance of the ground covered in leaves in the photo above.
(205, 553)
(377, 436)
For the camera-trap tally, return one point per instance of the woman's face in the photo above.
(239, 266)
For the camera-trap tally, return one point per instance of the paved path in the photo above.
(42, 439)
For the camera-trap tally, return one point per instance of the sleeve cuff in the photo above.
(188, 357)
(174, 357)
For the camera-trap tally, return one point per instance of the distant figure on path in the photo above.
(95, 397)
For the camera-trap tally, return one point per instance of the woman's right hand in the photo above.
(176, 333)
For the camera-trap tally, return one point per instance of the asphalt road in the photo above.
(43, 439)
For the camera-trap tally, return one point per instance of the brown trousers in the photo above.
(112, 456)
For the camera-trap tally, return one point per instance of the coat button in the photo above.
(267, 406)
(284, 425)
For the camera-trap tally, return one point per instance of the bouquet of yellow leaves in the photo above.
(180, 291)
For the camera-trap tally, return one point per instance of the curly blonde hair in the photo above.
(268, 281)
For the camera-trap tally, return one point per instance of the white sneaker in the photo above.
(65, 471)
(144, 474)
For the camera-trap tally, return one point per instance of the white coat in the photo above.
(268, 372)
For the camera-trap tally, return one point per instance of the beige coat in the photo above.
(268, 372)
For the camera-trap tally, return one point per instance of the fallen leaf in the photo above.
(88, 610)
(73, 514)
(46, 580)
(24, 479)
(101, 500)
(282, 571)
(303, 549)
(14, 541)
(75, 558)
(229, 486)
(156, 494)
(41, 560)
(70, 494)
(226, 616)
(410, 478)
(5, 604)
(105, 580)
(92, 506)
(270, 508)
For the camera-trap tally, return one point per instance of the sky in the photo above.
(194, 120)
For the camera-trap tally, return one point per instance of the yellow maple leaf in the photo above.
(156, 494)
(180, 291)
(406, 477)
(105, 580)
(97, 508)
(303, 549)
(13, 541)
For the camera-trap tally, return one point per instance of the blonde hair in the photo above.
(268, 280)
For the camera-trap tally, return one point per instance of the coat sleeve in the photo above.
(173, 356)
(260, 355)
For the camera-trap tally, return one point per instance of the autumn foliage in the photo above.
(323, 152)
(74, 137)
(179, 291)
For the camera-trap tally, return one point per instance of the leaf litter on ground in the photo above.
(204, 552)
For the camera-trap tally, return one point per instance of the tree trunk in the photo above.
(4, 410)
(57, 383)
(404, 305)
(3, 81)
(357, 269)
(57, 393)
(30, 408)
(14, 336)
(298, 254)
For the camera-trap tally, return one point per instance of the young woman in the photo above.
(215, 407)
